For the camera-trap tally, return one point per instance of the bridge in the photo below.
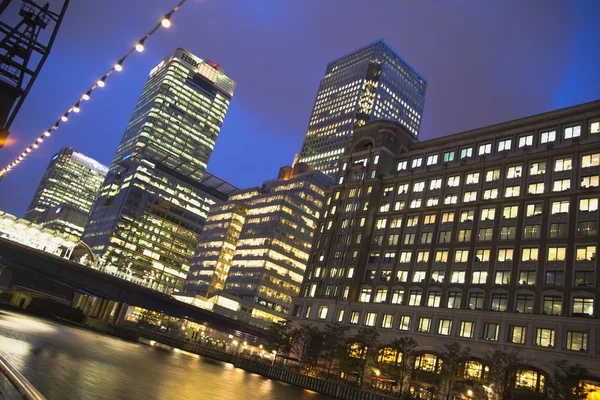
(110, 288)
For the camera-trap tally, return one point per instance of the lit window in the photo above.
(509, 212)
(402, 189)
(476, 301)
(405, 257)
(464, 235)
(590, 160)
(419, 276)
(544, 337)
(435, 184)
(561, 185)
(472, 178)
(536, 188)
(404, 323)
(490, 332)
(526, 141)
(467, 216)
(512, 191)
(454, 181)
(490, 194)
(572, 131)
(418, 186)
(484, 149)
(479, 277)
(448, 156)
(532, 231)
(451, 199)
(434, 298)
(387, 321)
(505, 255)
(504, 145)
(556, 254)
(482, 255)
(502, 278)
(444, 327)
(528, 380)
(537, 168)
(415, 203)
(533, 210)
(370, 319)
(397, 295)
(354, 316)
(552, 305)
(470, 196)
(529, 254)
(454, 299)
(547, 137)
(595, 127)
(577, 341)
(586, 253)
(499, 302)
(563, 164)
(560, 207)
(492, 175)
(524, 303)
(457, 277)
(424, 324)
(485, 234)
(466, 152)
(365, 295)
(589, 182)
(402, 165)
(447, 217)
(432, 159)
(583, 305)
(588, 205)
(415, 298)
(417, 162)
(322, 312)
(487, 214)
(517, 335)
(467, 329)
(433, 201)
(514, 172)
(507, 232)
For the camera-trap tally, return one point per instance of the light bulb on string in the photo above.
(76, 108)
(119, 66)
(86, 95)
(102, 82)
(47, 133)
(166, 21)
(65, 117)
(140, 46)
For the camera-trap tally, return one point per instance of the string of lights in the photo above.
(165, 22)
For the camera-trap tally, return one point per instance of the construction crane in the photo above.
(22, 56)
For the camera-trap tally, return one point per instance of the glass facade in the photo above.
(71, 181)
(371, 83)
(153, 204)
(256, 246)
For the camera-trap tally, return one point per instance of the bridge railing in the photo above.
(19, 383)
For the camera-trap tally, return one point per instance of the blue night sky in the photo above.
(486, 62)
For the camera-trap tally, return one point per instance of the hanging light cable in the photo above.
(139, 47)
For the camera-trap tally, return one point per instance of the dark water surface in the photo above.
(67, 363)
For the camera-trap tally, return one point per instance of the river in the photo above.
(68, 363)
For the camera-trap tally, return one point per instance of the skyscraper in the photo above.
(179, 114)
(154, 201)
(71, 180)
(373, 82)
(254, 248)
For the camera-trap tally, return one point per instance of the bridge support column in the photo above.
(107, 309)
(120, 316)
(76, 299)
(95, 307)
(88, 305)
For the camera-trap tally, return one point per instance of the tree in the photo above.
(564, 382)
(404, 349)
(333, 344)
(503, 365)
(277, 337)
(452, 357)
(306, 344)
(361, 350)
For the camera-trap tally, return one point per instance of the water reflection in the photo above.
(66, 363)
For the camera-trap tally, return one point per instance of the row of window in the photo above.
(502, 145)
(516, 334)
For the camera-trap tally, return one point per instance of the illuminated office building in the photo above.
(71, 181)
(253, 251)
(487, 237)
(371, 83)
(154, 201)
